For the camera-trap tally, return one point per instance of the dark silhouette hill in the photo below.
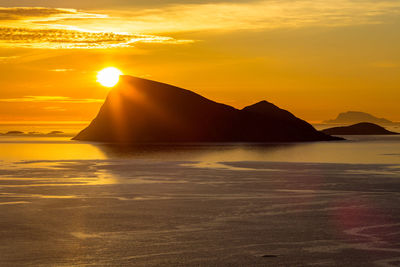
(352, 117)
(141, 111)
(363, 128)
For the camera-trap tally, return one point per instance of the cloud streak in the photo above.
(52, 99)
(18, 13)
(37, 13)
(260, 15)
(69, 39)
(61, 70)
(42, 28)
(7, 59)
(70, 28)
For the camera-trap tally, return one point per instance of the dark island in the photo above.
(143, 111)
(363, 128)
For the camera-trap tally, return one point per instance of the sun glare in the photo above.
(109, 76)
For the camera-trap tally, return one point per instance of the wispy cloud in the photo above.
(7, 59)
(52, 99)
(260, 15)
(54, 108)
(42, 28)
(37, 13)
(71, 28)
(61, 70)
(18, 13)
(68, 39)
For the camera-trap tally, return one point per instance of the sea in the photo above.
(71, 203)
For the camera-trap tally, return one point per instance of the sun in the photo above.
(108, 77)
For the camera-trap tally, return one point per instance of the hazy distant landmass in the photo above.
(140, 111)
(14, 133)
(21, 133)
(351, 117)
(364, 128)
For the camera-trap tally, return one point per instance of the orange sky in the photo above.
(315, 59)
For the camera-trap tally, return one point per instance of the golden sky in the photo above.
(315, 58)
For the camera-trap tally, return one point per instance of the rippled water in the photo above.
(69, 203)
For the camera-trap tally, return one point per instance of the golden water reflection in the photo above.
(368, 150)
(50, 148)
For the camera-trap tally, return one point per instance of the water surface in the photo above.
(69, 203)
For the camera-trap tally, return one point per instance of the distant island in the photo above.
(142, 111)
(364, 128)
(351, 117)
(35, 134)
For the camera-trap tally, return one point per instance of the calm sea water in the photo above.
(357, 149)
(67, 203)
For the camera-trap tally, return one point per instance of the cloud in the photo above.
(40, 28)
(54, 108)
(24, 13)
(52, 99)
(70, 28)
(7, 59)
(17, 13)
(69, 39)
(61, 70)
(256, 15)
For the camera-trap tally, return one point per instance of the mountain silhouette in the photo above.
(363, 128)
(352, 117)
(142, 111)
